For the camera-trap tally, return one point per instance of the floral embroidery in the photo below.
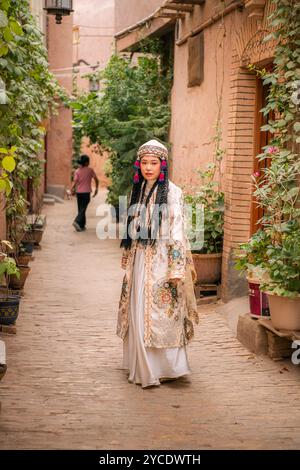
(124, 259)
(188, 329)
(122, 324)
(165, 296)
(148, 289)
(124, 291)
(176, 259)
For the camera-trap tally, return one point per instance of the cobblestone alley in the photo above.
(64, 387)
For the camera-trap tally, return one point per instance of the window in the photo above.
(196, 60)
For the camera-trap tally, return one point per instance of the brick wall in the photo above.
(239, 167)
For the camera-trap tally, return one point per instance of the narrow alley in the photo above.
(64, 387)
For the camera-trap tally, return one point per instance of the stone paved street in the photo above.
(64, 387)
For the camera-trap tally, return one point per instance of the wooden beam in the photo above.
(163, 14)
(129, 40)
(210, 21)
(173, 6)
(189, 2)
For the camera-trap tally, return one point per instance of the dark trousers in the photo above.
(83, 200)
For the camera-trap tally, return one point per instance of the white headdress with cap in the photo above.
(153, 147)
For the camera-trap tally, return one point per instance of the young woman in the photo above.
(157, 305)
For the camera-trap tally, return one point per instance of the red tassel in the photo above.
(164, 164)
(137, 164)
(136, 178)
(161, 177)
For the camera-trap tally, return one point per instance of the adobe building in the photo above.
(59, 145)
(58, 40)
(93, 45)
(213, 44)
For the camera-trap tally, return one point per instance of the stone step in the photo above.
(49, 201)
(53, 196)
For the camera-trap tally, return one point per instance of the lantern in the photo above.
(59, 8)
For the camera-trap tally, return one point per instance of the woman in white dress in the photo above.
(157, 305)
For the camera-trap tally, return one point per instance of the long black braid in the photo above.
(161, 202)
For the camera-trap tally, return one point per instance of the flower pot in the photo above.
(41, 222)
(9, 309)
(28, 246)
(258, 301)
(23, 260)
(3, 368)
(16, 283)
(34, 236)
(285, 312)
(37, 235)
(208, 267)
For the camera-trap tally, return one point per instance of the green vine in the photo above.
(30, 90)
(277, 186)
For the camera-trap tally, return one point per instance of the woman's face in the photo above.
(150, 167)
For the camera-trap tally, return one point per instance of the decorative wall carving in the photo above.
(250, 44)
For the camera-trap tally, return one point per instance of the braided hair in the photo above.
(161, 202)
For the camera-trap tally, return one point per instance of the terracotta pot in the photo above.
(9, 309)
(34, 236)
(23, 260)
(37, 235)
(285, 312)
(16, 283)
(208, 267)
(3, 368)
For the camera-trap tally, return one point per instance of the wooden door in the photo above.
(262, 139)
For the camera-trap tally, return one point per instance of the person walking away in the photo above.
(82, 188)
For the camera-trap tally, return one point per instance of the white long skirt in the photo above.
(147, 365)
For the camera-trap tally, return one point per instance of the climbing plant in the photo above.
(277, 186)
(29, 90)
(132, 107)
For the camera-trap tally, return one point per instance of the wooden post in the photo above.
(177, 7)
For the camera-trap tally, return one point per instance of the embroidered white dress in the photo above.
(147, 365)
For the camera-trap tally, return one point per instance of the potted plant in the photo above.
(251, 258)
(9, 303)
(276, 247)
(207, 200)
(283, 288)
(33, 233)
(23, 257)
(18, 281)
(277, 183)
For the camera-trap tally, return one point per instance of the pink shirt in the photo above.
(83, 178)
